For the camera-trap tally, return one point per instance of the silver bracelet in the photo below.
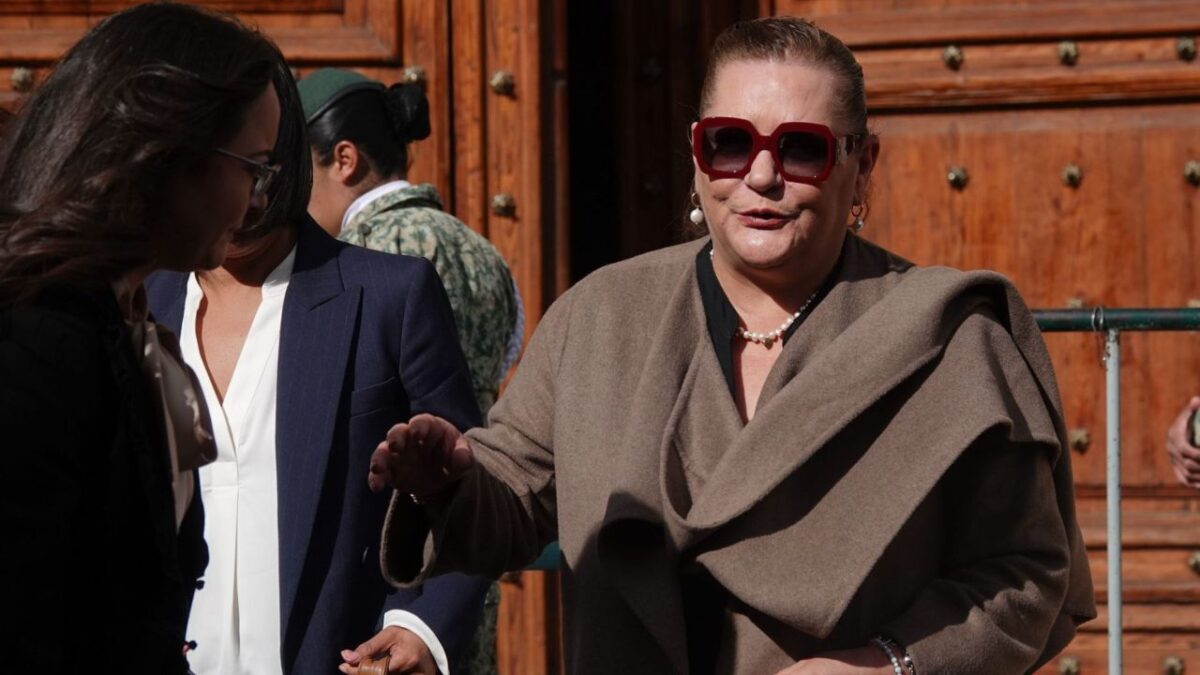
(908, 663)
(886, 646)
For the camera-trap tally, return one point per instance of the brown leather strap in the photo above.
(376, 666)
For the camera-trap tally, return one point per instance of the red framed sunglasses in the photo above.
(725, 147)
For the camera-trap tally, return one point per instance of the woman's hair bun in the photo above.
(408, 110)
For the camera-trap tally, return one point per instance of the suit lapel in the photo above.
(319, 320)
(166, 293)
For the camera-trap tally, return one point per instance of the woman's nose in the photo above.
(763, 174)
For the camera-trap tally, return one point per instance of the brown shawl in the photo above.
(902, 475)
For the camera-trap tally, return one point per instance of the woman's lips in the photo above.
(764, 220)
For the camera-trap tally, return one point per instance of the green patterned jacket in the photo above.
(411, 221)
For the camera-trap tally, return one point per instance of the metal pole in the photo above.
(1112, 366)
(1100, 319)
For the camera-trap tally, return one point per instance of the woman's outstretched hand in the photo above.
(421, 458)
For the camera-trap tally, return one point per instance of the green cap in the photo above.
(327, 86)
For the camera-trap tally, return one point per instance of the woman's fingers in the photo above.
(419, 456)
(379, 478)
(461, 458)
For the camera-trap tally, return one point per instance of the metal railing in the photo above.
(1110, 322)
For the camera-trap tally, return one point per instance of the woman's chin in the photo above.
(764, 257)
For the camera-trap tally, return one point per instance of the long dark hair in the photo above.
(381, 123)
(141, 100)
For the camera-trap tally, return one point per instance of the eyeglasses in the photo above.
(725, 147)
(264, 174)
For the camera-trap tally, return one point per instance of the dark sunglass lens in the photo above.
(727, 148)
(803, 153)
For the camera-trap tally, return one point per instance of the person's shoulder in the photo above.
(414, 216)
(413, 206)
(425, 230)
(60, 330)
(643, 274)
(388, 279)
(358, 262)
(63, 311)
(941, 280)
(929, 282)
(643, 282)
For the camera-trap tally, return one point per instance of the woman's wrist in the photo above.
(897, 655)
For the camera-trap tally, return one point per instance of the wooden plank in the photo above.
(861, 23)
(44, 7)
(1149, 618)
(469, 196)
(37, 39)
(1108, 84)
(528, 644)
(366, 32)
(1093, 636)
(237, 6)
(1144, 529)
(892, 64)
(1148, 575)
(1028, 73)
(1144, 654)
(515, 149)
(519, 141)
(426, 44)
(1165, 491)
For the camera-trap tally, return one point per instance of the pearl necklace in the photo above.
(768, 339)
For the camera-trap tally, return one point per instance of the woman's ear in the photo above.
(867, 159)
(347, 165)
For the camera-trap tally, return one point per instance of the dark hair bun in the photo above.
(408, 110)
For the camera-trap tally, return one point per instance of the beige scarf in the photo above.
(180, 406)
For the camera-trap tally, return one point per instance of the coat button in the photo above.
(366, 230)
(199, 584)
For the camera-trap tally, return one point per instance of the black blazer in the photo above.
(93, 576)
(366, 340)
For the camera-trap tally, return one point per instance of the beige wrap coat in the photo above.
(903, 475)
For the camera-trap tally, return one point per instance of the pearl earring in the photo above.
(857, 211)
(696, 215)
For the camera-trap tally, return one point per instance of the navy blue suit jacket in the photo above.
(367, 340)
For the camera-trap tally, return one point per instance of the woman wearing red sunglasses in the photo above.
(779, 449)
